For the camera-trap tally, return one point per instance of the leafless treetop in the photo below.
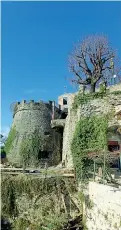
(91, 60)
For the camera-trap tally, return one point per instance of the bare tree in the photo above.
(93, 60)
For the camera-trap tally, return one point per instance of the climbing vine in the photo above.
(32, 149)
(29, 150)
(81, 99)
(90, 136)
(10, 140)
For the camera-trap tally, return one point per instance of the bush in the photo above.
(34, 202)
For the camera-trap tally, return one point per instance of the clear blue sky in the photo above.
(36, 40)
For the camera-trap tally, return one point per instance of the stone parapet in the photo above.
(31, 105)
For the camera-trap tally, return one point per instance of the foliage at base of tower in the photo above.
(90, 136)
(29, 150)
(10, 140)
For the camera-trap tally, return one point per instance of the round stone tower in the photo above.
(31, 121)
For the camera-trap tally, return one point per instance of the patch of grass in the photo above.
(20, 224)
(36, 203)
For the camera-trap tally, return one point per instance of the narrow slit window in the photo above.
(65, 101)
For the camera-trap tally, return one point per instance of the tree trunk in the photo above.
(92, 88)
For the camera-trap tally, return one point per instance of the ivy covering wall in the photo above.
(81, 99)
(10, 140)
(32, 148)
(29, 150)
(90, 136)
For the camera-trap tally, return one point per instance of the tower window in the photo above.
(65, 101)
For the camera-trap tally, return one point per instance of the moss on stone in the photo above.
(10, 140)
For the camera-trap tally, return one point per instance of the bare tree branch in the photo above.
(91, 59)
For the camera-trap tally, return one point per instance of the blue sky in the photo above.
(36, 40)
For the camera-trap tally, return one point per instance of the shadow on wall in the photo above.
(5, 225)
(3, 156)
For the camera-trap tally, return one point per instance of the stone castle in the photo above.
(55, 124)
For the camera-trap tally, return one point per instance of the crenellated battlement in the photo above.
(33, 102)
(32, 105)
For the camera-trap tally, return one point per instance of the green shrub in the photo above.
(8, 195)
(20, 224)
(29, 201)
(56, 222)
(102, 88)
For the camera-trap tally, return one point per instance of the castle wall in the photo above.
(107, 105)
(36, 116)
(30, 118)
(69, 129)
